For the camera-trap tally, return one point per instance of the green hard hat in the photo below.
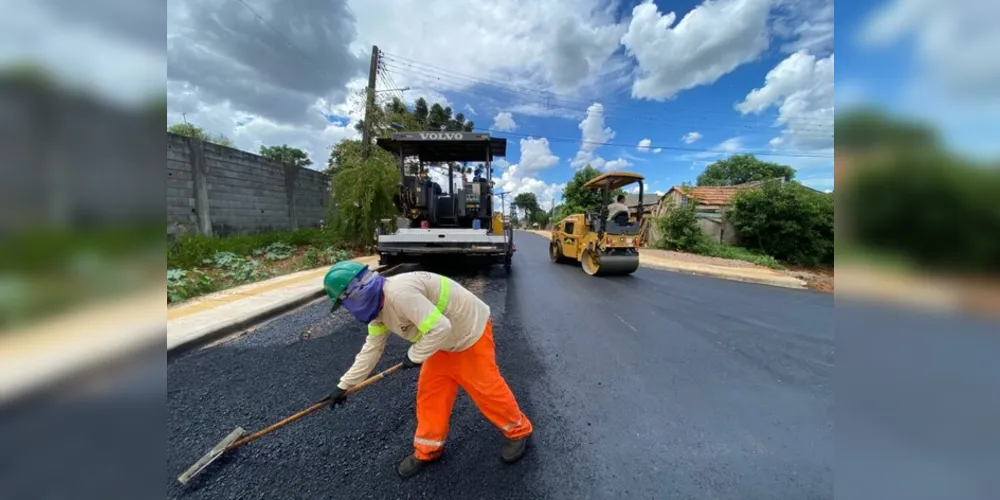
(338, 277)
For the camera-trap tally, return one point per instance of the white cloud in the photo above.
(504, 121)
(619, 164)
(801, 86)
(691, 137)
(594, 134)
(728, 147)
(644, 145)
(808, 23)
(558, 45)
(469, 109)
(430, 95)
(709, 41)
(249, 132)
(543, 110)
(657, 150)
(954, 42)
(731, 145)
(777, 141)
(520, 177)
(536, 155)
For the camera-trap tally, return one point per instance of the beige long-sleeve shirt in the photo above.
(429, 310)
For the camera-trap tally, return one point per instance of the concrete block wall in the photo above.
(215, 190)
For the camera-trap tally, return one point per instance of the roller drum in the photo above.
(609, 264)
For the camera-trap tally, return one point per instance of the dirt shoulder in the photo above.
(736, 270)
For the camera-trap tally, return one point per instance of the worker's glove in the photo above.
(407, 363)
(337, 397)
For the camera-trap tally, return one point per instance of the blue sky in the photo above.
(568, 82)
(707, 110)
(746, 75)
(926, 61)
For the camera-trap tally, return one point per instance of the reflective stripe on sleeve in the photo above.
(377, 329)
(435, 315)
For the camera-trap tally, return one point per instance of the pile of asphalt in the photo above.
(346, 452)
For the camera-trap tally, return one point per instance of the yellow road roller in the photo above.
(605, 244)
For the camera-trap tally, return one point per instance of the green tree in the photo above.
(577, 199)
(420, 111)
(195, 132)
(286, 155)
(344, 149)
(679, 228)
(395, 116)
(560, 212)
(786, 221)
(438, 118)
(527, 202)
(542, 217)
(739, 169)
(460, 124)
(362, 193)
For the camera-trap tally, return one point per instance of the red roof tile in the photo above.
(713, 195)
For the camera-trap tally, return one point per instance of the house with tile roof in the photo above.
(710, 205)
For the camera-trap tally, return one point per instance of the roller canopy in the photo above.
(616, 180)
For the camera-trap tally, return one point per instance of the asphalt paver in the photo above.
(654, 385)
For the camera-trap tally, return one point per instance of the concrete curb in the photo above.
(210, 324)
(721, 273)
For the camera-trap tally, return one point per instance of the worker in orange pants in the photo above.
(452, 339)
(475, 370)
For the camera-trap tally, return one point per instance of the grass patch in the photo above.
(723, 251)
(192, 250)
(198, 265)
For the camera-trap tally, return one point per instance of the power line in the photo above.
(716, 125)
(813, 131)
(437, 72)
(653, 146)
(283, 37)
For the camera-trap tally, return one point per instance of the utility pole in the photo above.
(366, 133)
(503, 203)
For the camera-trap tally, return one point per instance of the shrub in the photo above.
(935, 210)
(183, 284)
(275, 251)
(310, 259)
(334, 255)
(787, 221)
(248, 271)
(679, 229)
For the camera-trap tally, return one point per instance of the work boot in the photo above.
(411, 465)
(513, 449)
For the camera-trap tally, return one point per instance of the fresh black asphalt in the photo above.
(655, 385)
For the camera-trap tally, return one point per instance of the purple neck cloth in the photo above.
(364, 299)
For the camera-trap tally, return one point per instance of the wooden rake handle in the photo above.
(319, 404)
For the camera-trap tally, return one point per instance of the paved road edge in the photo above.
(721, 273)
(245, 320)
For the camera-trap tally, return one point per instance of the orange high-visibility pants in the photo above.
(475, 370)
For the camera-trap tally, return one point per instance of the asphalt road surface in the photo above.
(655, 385)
